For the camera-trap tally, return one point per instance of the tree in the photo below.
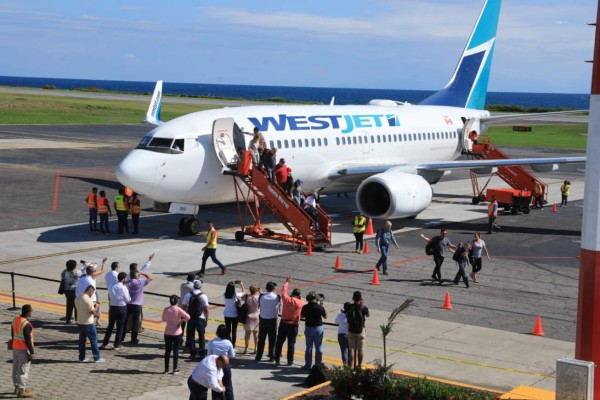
(387, 328)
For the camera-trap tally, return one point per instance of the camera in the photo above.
(320, 298)
(237, 281)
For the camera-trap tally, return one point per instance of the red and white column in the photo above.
(587, 342)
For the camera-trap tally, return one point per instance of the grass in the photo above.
(567, 136)
(41, 109)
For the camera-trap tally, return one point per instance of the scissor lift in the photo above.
(255, 193)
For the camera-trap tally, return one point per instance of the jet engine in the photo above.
(393, 194)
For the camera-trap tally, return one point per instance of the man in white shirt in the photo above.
(117, 313)
(207, 375)
(269, 309)
(111, 277)
(195, 303)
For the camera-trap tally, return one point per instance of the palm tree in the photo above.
(387, 328)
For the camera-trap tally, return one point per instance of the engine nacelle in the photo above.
(393, 194)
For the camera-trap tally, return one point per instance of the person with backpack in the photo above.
(195, 303)
(461, 256)
(356, 316)
(382, 240)
(436, 246)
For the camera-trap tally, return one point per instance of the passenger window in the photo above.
(343, 140)
(306, 143)
(365, 139)
(300, 143)
(279, 144)
(360, 139)
(383, 137)
(354, 139)
(293, 143)
(378, 139)
(312, 142)
(319, 141)
(372, 139)
(286, 144)
(337, 141)
(325, 141)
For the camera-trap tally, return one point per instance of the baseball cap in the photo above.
(197, 284)
(282, 160)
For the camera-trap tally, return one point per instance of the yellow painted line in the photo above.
(306, 391)
(529, 393)
(65, 253)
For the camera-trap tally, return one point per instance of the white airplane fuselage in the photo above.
(330, 136)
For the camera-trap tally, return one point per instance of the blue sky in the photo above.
(402, 44)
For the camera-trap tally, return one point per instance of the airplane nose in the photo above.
(137, 171)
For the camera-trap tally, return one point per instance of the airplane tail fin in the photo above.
(468, 86)
(153, 113)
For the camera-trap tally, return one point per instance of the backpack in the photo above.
(431, 245)
(458, 254)
(195, 305)
(242, 311)
(319, 373)
(355, 318)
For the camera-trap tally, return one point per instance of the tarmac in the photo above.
(485, 340)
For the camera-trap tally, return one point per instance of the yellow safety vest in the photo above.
(211, 239)
(359, 224)
(18, 325)
(120, 203)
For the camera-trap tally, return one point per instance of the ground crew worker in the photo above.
(136, 209)
(360, 225)
(91, 200)
(210, 250)
(122, 209)
(104, 211)
(23, 349)
(492, 214)
(564, 191)
(538, 195)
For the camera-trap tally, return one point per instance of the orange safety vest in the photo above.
(103, 205)
(91, 200)
(491, 210)
(211, 239)
(136, 207)
(18, 325)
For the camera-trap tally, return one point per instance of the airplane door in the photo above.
(224, 141)
(470, 125)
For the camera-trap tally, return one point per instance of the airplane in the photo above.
(389, 152)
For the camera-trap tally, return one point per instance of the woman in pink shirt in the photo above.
(173, 316)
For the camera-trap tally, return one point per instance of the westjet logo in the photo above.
(346, 123)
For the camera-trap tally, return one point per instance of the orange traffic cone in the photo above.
(366, 248)
(338, 264)
(537, 330)
(309, 249)
(447, 305)
(370, 227)
(554, 207)
(375, 280)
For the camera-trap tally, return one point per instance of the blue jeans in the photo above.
(343, 342)
(383, 258)
(314, 336)
(212, 253)
(88, 332)
(196, 325)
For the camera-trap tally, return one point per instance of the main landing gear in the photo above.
(189, 225)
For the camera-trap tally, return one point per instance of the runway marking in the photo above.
(64, 253)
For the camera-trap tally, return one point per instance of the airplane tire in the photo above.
(183, 223)
(193, 226)
(526, 210)
(475, 200)
(239, 236)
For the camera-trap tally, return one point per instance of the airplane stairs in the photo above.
(516, 176)
(260, 194)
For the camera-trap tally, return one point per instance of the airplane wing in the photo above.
(363, 171)
(509, 117)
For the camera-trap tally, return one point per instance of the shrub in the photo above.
(48, 86)
(377, 383)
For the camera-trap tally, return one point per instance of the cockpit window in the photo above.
(162, 145)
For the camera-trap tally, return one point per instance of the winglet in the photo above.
(332, 102)
(153, 113)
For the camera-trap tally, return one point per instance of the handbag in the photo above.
(61, 287)
(242, 310)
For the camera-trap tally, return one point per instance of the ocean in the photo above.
(305, 94)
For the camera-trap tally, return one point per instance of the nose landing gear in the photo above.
(189, 225)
